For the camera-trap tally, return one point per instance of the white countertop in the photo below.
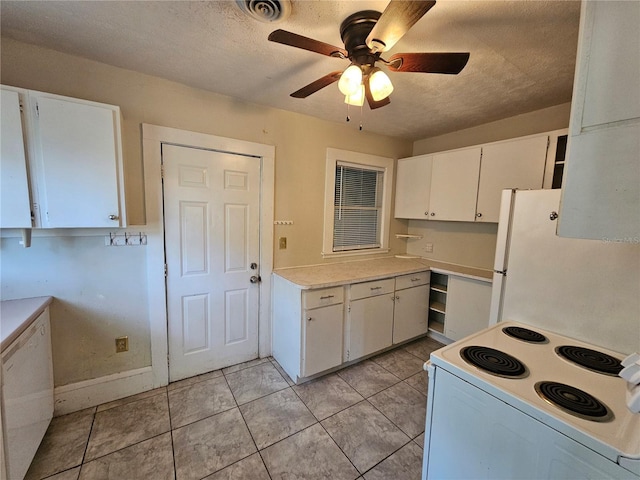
(17, 315)
(336, 274)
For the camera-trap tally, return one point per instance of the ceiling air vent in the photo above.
(268, 11)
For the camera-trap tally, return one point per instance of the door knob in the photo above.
(255, 279)
(114, 217)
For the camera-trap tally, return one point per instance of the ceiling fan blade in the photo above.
(395, 21)
(305, 43)
(313, 87)
(450, 63)
(372, 103)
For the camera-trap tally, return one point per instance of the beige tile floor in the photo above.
(250, 421)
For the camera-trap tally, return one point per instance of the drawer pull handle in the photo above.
(415, 279)
(326, 297)
(376, 288)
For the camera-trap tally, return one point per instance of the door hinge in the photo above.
(37, 110)
(165, 270)
(349, 309)
(162, 171)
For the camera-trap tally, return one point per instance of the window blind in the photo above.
(357, 207)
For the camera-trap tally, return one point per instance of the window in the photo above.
(357, 203)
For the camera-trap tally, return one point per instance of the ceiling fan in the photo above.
(366, 35)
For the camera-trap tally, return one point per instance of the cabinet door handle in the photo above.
(114, 217)
(376, 288)
(326, 297)
(397, 298)
(309, 319)
(478, 215)
(433, 214)
(426, 213)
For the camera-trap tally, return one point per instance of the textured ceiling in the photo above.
(522, 54)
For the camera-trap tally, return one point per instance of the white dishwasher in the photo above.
(27, 395)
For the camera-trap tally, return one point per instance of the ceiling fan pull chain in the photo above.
(348, 117)
(361, 110)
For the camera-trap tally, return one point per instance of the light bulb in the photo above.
(357, 99)
(350, 80)
(380, 85)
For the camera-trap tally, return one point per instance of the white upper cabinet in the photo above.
(61, 162)
(78, 162)
(516, 163)
(15, 205)
(454, 185)
(601, 187)
(413, 186)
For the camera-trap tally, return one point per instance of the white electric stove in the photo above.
(515, 401)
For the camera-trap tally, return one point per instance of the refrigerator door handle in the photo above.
(501, 272)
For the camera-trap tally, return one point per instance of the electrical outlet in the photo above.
(122, 344)
(428, 248)
(282, 243)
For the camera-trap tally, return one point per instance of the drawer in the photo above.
(371, 289)
(322, 297)
(412, 280)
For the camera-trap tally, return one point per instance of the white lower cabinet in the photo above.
(459, 306)
(411, 311)
(307, 328)
(369, 324)
(322, 339)
(385, 312)
(316, 330)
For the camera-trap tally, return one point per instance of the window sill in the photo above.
(353, 253)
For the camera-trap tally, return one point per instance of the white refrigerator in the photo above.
(585, 289)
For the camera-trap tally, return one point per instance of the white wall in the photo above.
(100, 294)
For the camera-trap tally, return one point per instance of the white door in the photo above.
(454, 185)
(512, 164)
(411, 313)
(79, 162)
(212, 213)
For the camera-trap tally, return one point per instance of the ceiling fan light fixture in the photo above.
(350, 80)
(380, 85)
(357, 99)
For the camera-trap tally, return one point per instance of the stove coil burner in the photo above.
(590, 359)
(494, 362)
(525, 335)
(574, 401)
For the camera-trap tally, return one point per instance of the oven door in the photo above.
(471, 434)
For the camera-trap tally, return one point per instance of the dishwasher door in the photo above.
(27, 395)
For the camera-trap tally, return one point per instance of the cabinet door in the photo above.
(79, 162)
(514, 164)
(454, 185)
(322, 339)
(600, 190)
(369, 326)
(14, 186)
(410, 317)
(468, 305)
(413, 186)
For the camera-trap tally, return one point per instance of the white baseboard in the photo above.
(89, 393)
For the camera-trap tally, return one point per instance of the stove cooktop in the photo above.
(552, 385)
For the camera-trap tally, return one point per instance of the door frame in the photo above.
(153, 137)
